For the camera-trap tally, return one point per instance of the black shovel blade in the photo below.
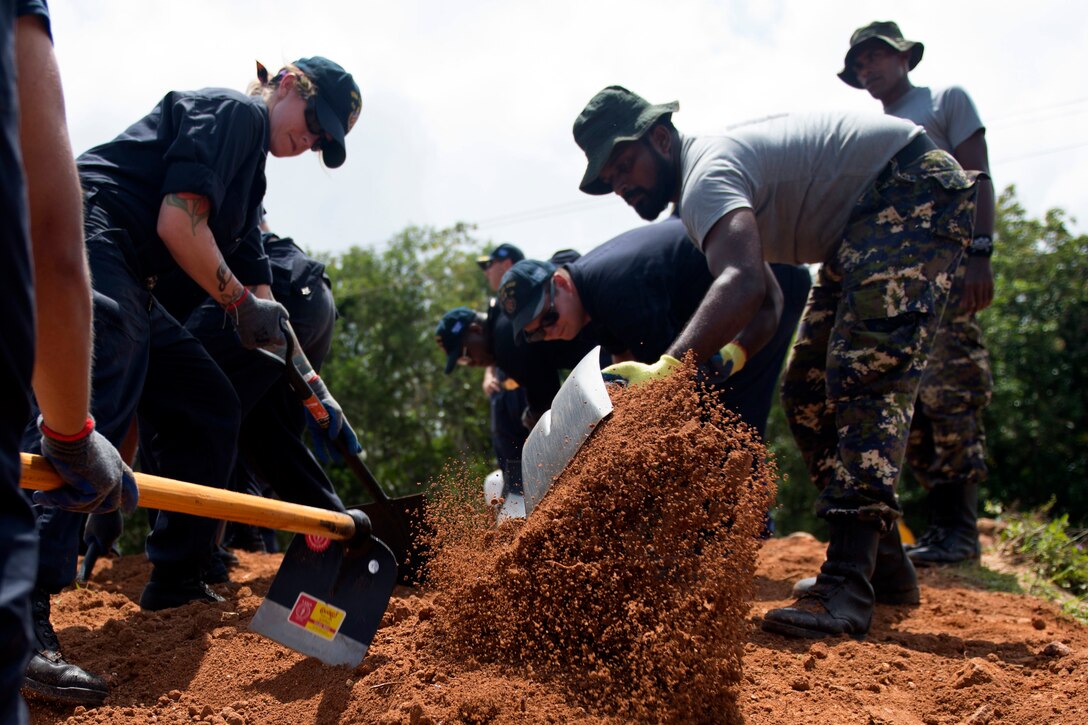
(401, 522)
(327, 599)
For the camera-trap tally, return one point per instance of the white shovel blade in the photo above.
(581, 403)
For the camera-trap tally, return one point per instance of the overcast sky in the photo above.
(468, 104)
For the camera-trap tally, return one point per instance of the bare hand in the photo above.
(978, 288)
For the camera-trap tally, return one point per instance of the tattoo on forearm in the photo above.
(223, 276)
(195, 206)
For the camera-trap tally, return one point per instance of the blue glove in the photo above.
(324, 438)
(96, 479)
(636, 373)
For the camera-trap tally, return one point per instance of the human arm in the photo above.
(491, 384)
(972, 154)
(183, 228)
(95, 476)
(739, 291)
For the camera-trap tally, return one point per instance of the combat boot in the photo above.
(48, 674)
(952, 535)
(894, 579)
(841, 600)
(175, 586)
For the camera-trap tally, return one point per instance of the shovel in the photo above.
(397, 521)
(581, 403)
(333, 586)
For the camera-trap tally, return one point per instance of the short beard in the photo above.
(656, 199)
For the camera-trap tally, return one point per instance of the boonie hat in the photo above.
(450, 334)
(613, 116)
(338, 104)
(499, 253)
(884, 30)
(521, 292)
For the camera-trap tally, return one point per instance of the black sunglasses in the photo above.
(313, 125)
(549, 318)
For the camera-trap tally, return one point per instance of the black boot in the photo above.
(174, 586)
(48, 674)
(894, 579)
(841, 600)
(952, 535)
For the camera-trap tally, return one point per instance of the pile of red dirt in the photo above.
(625, 597)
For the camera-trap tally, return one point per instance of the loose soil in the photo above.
(625, 597)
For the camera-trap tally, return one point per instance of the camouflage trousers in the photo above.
(947, 444)
(868, 329)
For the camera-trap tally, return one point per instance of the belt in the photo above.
(914, 150)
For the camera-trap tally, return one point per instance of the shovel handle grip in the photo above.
(190, 498)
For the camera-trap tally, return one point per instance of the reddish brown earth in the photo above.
(625, 597)
(964, 655)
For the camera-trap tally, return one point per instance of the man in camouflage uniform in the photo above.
(946, 450)
(888, 216)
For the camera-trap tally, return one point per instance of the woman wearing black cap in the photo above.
(182, 188)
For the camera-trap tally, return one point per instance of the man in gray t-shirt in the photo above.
(887, 216)
(947, 450)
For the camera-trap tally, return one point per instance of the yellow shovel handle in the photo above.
(189, 498)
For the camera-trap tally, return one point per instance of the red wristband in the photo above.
(85, 431)
(233, 305)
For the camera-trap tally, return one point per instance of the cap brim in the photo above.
(451, 361)
(481, 262)
(333, 152)
(526, 315)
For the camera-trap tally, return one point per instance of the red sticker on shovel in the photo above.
(316, 616)
(317, 543)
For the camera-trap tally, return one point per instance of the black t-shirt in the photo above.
(301, 284)
(212, 142)
(641, 287)
(536, 366)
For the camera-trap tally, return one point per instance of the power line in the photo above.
(1045, 152)
(1025, 111)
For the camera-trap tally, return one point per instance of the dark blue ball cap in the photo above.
(521, 291)
(450, 333)
(503, 251)
(338, 104)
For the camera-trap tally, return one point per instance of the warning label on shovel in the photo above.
(316, 616)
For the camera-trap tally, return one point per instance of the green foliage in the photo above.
(385, 368)
(1037, 335)
(1057, 553)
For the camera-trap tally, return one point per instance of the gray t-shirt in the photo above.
(802, 175)
(947, 114)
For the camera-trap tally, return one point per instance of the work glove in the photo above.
(734, 357)
(338, 428)
(258, 322)
(636, 373)
(96, 479)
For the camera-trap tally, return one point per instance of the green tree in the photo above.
(385, 368)
(1037, 335)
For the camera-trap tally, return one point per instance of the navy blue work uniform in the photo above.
(270, 444)
(640, 289)
(211, 142)
(505, 407)
(18, 539)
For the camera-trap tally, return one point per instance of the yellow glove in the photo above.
(734, 357)
(636, 373)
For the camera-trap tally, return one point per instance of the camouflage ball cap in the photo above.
(450, 334)
(521, 292)
(886, 31)
(613, 116)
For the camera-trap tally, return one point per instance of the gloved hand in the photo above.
(636, 373)
(734, 357)
(337, 428)
(97, 479)
(258, 321)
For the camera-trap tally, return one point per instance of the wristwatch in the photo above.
(981, 246)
